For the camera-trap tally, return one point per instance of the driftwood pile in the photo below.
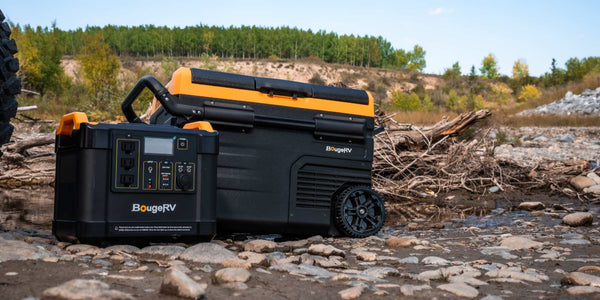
(417, 168)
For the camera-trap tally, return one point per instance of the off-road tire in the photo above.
(359, 211)
(10, 85)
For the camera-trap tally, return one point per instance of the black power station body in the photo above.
(133, 181)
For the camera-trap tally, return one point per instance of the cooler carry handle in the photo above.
(168, 101)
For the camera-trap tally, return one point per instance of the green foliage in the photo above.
(453, 72)
(100, 68)
(168, 65)
(416, 59)
(520, 70)
(426, 104)
(455, 102)
(406, 102)
(473, 73)
(489, 67)
(317, 79)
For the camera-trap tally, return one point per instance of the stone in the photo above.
(575, 242)
(594, 177)
(582, 290)
(207, 253)
(519, 243)
(459, 289)
(398, 242)
(431, 275)
(589, 269)
(260, 246)
(95, 272)
(492, 297)
(101, 263)
(296, 244)
(499, 252)
(84, 289)
(237, 286)
(409, 289)
(466, 279)
(231, 275)
(531, 205)
(331, 262)
(434, 260)
(325, 250)
(80, 248)
(578, 219)
(594, 189)
(567, 138)
(172, 252)
(176, 283)
(494, 189)
(236, 263)
(409, 260)
(180, 268)
(366, 256)
(303, 269)
(351, 293)
(581, 182)
(381, 272)
(125, 277)
(580, 278)
(513, 275)
(19, 250)
(123, 248)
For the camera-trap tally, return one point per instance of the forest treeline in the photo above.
(239, 42)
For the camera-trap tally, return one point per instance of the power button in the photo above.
(182, 144)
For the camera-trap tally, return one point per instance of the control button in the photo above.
(182, 144)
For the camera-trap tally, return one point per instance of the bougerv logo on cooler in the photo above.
(153, 208)
(338, 150)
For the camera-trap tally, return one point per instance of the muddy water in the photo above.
(27, 207)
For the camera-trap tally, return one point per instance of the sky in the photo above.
(464, 31)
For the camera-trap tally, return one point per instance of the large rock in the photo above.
(260, 246)
(178, 284)
(581, 182)
(594, 189)
(520, 243)
(398, 242)
(578, 219)
(19, 250)
(459, 289)
(531, 205)
(207, 253)
(81, 289)
(594, 177)
(579, 278)
(325, 250)
(231, 275)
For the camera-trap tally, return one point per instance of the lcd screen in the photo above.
(158, 146)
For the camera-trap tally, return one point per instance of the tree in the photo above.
(529, 93)
(406, 102)
(416, 59)
(100, 69)
(520, 70)
(489, 67)
(473, 73)
(453, 72)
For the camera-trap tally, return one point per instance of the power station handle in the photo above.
(168, 101)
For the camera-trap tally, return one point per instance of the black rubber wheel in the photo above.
(359, 211)
(10, 85)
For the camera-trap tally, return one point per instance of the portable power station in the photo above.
(134, 181)
(294, 157)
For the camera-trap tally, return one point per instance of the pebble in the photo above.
(434, 260)
(123, 248)
(207, 253)
(531, 205)
(178, 284)
(575, 242)
(11, 273)
(172, 252)
(303, 269)
(397, 242)
(499, 252)
(409, 260)
(237, 286)
(520, 243)
(80, 248)
(459, 289)
(466, 279)
(325, 250)
(366, 256)
(260, 246)
(351, 293)
(231, 275)
(580, 278)
(96, 272)
(84, 289)
(236, 263)
(513, 275)
(581, 182)
(578, 219)
(409, 289)
(19, 250)
(589, 269)
(582, 290)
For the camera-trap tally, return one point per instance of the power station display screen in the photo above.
(158, 146)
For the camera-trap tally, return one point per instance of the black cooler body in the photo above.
(287, 149)
(126, 181)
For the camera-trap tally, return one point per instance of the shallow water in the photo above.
(27, 207)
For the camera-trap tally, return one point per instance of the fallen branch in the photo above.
(21, 146)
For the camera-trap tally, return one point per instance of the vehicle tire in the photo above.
(10, 85)
(359, 211)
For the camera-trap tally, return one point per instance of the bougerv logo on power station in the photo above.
(338, 150)
(153, 208)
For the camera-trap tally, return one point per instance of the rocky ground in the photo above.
(586, 103)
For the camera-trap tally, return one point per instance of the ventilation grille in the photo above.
(316, 184)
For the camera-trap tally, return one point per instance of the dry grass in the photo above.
(549, 121)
